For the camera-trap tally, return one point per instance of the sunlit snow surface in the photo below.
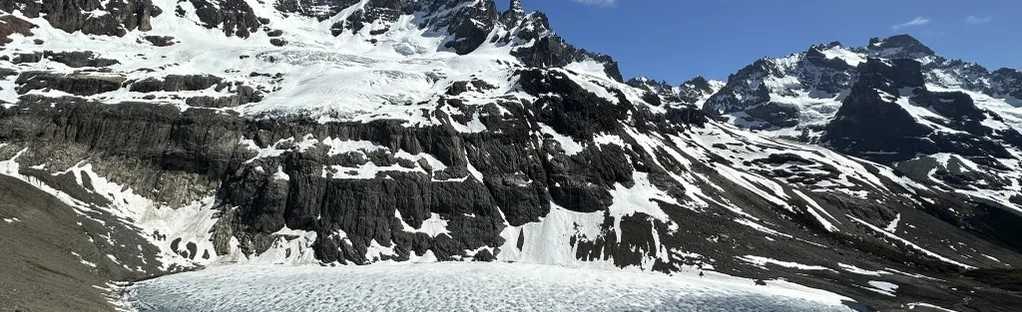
(464, 287)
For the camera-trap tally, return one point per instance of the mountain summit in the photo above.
(899, 46)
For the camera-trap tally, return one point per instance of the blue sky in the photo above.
(675, 40)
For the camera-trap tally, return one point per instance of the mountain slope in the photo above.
(55, 257)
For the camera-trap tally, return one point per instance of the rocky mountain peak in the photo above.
(644, 80)
(657, 91)
(515, 13)
(1008, 71)
(826, 46)
(699, 83)
(693, 92)
(1007, 82)
(898, 46)
(697, 90)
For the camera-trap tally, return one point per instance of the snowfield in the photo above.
(461, 286)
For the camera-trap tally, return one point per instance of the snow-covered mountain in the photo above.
(946, 123)
(213, 132)
(796, 95)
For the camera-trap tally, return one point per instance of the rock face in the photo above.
(74, 59)
(449, 131)
(234, 17)
(13, 25)
(550, 49)
(875, 99)
(84, 83)
(120, 16)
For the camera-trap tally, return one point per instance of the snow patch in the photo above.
(763, 261)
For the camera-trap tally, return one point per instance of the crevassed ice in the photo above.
(465, 287)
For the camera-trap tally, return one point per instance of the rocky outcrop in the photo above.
(548, 49)
(234, 17)
(468, 22)
(160, 41)
(581, 114)
(120, 16)
(173, 83)
(319, 9)
(235, 93)
(514, 14)
(384, 11)
(79, 83)
(74, 59)
(9, 24)
(79, 59)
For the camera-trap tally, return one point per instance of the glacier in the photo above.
(466, 286)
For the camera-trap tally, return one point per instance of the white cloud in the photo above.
(976, 20)
(599, 3)
(918, 21)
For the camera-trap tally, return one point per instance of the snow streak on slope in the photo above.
(466, 287)
(910, 244)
